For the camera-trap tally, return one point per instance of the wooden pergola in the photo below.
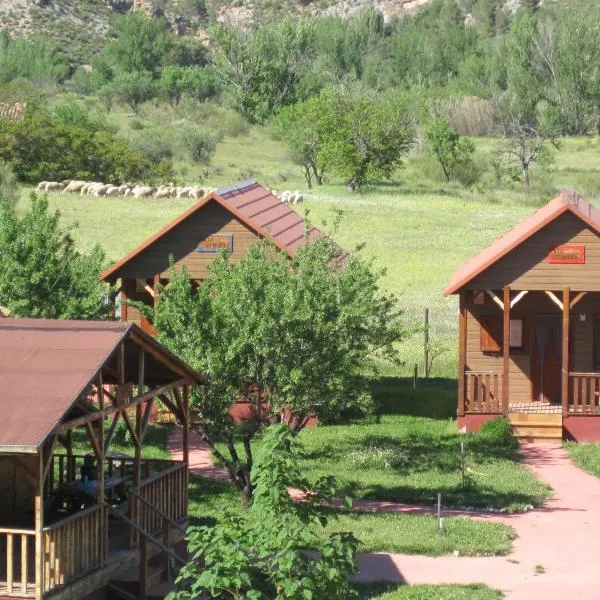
(57, 377)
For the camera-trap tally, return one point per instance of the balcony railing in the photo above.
(483, 389)
(584, 393)
(17, 563)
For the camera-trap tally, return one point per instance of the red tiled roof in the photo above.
(567, 201)
(251, 203)
(46, 365)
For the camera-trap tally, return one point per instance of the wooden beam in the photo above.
(554, 299)
(186, 425)
(124, 300)
(111, 431)
(146, 286)
(39, 530)
(495, 298)
(565, 351)
(121, 363)
(100, 414)
(462, 351)
(47, 460)
(141, 370)
(156, 284)
(130, 428)
(93, 440)
(170, 404)
(146, 418)
(577, 299)
(518, 298)
(506, 350)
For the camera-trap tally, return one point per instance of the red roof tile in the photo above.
(567, 201)
(250, 202)
(45, 366)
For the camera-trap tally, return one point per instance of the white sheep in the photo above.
(112, 190)
(183, 192)
(75, 186)
(296, 198)
(142, 191)
(285, 196)
(99, 190)
(162, 192)
(41, 186)
(53, 186)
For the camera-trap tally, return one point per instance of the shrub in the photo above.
(199, 144)
(153, 144)
(498, 433)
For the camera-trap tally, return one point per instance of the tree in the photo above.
(175, 82)
(140, 45)
(260, 70)
(9, 191)
(298, 127)
(528, 145)
(133, 88)
(41, 273)
(293, 336)
(451, 151)
(264, 555)
(364, 136)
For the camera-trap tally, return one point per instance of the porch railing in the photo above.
(483, 392)
(584, 393)
(166, 492)
(17, 562)
(75, 546)
(63, 470)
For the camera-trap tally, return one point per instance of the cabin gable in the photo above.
(527, 267)
(182, 243)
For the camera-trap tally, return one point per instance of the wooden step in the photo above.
(537, 427)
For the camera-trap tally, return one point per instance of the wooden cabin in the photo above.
(77, 519)
(529, 325)
(229, 219)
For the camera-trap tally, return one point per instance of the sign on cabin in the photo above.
(216, 242)
(567, 254)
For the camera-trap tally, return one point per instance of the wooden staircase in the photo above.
(537, 427)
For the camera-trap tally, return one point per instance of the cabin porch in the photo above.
(547, 378)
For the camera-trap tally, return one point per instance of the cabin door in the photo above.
(546, 359)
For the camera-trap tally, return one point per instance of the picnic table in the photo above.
(80, 492)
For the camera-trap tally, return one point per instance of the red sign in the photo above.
(216, 242)
(567, 254)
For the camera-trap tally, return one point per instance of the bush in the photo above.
(199, 144)
(153, 144)
(499, 433)
(38, 147)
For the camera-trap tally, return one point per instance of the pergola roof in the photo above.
(46, 366)
(254, 205)
(566, 201)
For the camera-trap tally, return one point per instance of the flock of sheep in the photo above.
(94, 188)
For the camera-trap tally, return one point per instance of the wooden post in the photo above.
(155, 286)
(100, 496)
(506, 350)
(462, 351)
(123, 301)
(143, 572)
(426, 345)
(39, 534)
(186, 424)
(138, 416)
(70, 465)
(565, 350)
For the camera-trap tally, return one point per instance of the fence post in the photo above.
(426, 345)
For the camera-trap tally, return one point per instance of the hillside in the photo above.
(81, 26)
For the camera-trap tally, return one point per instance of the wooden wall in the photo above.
(17, 490)
(526, 267)
(520, 360)
(183, 240)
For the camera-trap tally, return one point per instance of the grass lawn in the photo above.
(586, 456)
(407, 534)
(427, 592)
(410, 459)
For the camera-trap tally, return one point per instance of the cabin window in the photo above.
(491, 333)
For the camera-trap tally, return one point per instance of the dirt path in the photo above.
(556, 555)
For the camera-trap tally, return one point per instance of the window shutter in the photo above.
(491, 334)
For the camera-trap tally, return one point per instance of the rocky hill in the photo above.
(80, 26)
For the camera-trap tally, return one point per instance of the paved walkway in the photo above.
(556, 555)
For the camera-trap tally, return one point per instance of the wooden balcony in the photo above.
(483, 392)
(86, 543)
(584, 394)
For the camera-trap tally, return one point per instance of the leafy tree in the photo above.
(35, 58)
(364, 137)
(265, 554)
(38, 148)
(291, 336)
(9, 192)
(133, 88)
(140, 45)
(527, 145)
(451, 151)
(261, 70)
(200, 144)
(41, 273)
(298, 126)
(175, 82)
